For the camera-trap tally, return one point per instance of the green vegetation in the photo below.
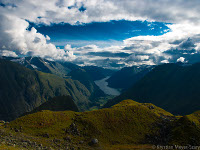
(6, 147)
(187, 130)
(127, 125)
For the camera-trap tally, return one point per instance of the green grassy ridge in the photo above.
(123, 126)
(126, 123)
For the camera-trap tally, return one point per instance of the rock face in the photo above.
(22, 89)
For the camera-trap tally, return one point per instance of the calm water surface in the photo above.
(103, 85)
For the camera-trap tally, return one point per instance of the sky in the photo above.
(106, 33)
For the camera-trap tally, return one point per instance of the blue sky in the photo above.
(101, 34)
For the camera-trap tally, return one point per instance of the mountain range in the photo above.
(86, 75)
(47, 103)
(22, 89)
(173, 87)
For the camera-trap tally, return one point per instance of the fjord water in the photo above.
(103, 85)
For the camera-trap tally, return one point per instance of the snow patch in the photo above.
(35, 67)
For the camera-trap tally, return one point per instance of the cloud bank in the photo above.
(182, 43)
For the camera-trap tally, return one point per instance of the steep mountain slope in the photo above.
(98, 73)
(22, 89)
(67, 70)
(85, 78)
(127, 125)
(126, 77)
(173, 87)
(60, 68)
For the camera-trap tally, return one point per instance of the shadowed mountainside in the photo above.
(58, 103)
(126, 77)
(86, 75)
(98, 73)
(173, 87)
(22, 89)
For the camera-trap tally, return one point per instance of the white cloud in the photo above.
(164, 61)
(8, 53)
(48, 38)
(56, 11)
(16, 39)
(181, 59)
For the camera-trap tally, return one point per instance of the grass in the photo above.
(6, 147)
(187, 130)
(124, 125)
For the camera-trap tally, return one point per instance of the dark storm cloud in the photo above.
(188, 44)
(109, 54)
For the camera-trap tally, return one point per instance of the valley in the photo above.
(75, 107)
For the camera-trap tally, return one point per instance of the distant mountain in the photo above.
(36, 63)
(22, 89)
(126, 77)
(128, 125)
(98, 73)
(68, 70)
(173, 87)
(60, 68)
